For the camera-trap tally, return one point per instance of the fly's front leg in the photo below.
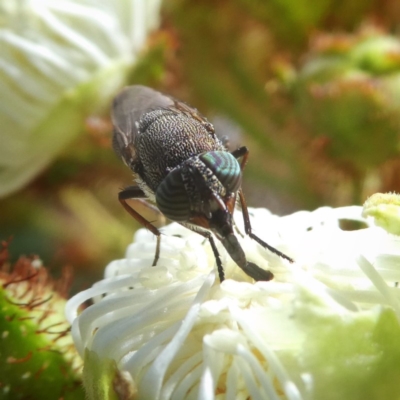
(208, 235)
(135, 193)
(244, 153)
(220, 268)
(247, 227)
(241, 152)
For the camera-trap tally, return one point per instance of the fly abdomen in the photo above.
(172, 198)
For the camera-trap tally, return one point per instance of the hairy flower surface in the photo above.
(60, 60)
(37, 355)
(327, 326)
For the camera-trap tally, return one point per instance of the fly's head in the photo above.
(202, 191)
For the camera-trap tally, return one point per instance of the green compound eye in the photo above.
(225, 167)
(172, 198)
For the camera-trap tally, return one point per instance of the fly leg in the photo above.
(248, 230)
(135, 193)
(205, 233)
(241, 152)
(244, 153)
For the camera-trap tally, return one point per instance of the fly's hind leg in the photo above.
(135, 193)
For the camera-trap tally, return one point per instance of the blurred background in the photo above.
(312, 88)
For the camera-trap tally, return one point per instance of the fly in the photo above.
(182, 168)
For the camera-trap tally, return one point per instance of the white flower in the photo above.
(60, 60)
(327, 327)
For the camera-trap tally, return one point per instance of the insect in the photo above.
(183, 169)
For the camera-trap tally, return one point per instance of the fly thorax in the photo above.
(168, 138)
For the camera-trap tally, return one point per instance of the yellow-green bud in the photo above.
(385, 209)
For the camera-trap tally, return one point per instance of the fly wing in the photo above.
(193, 113)
(128, 107)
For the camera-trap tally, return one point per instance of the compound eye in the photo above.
(172, 198)
(225, 167)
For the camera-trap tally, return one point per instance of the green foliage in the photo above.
(345, 97)
(36, 353)
(319, 109)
